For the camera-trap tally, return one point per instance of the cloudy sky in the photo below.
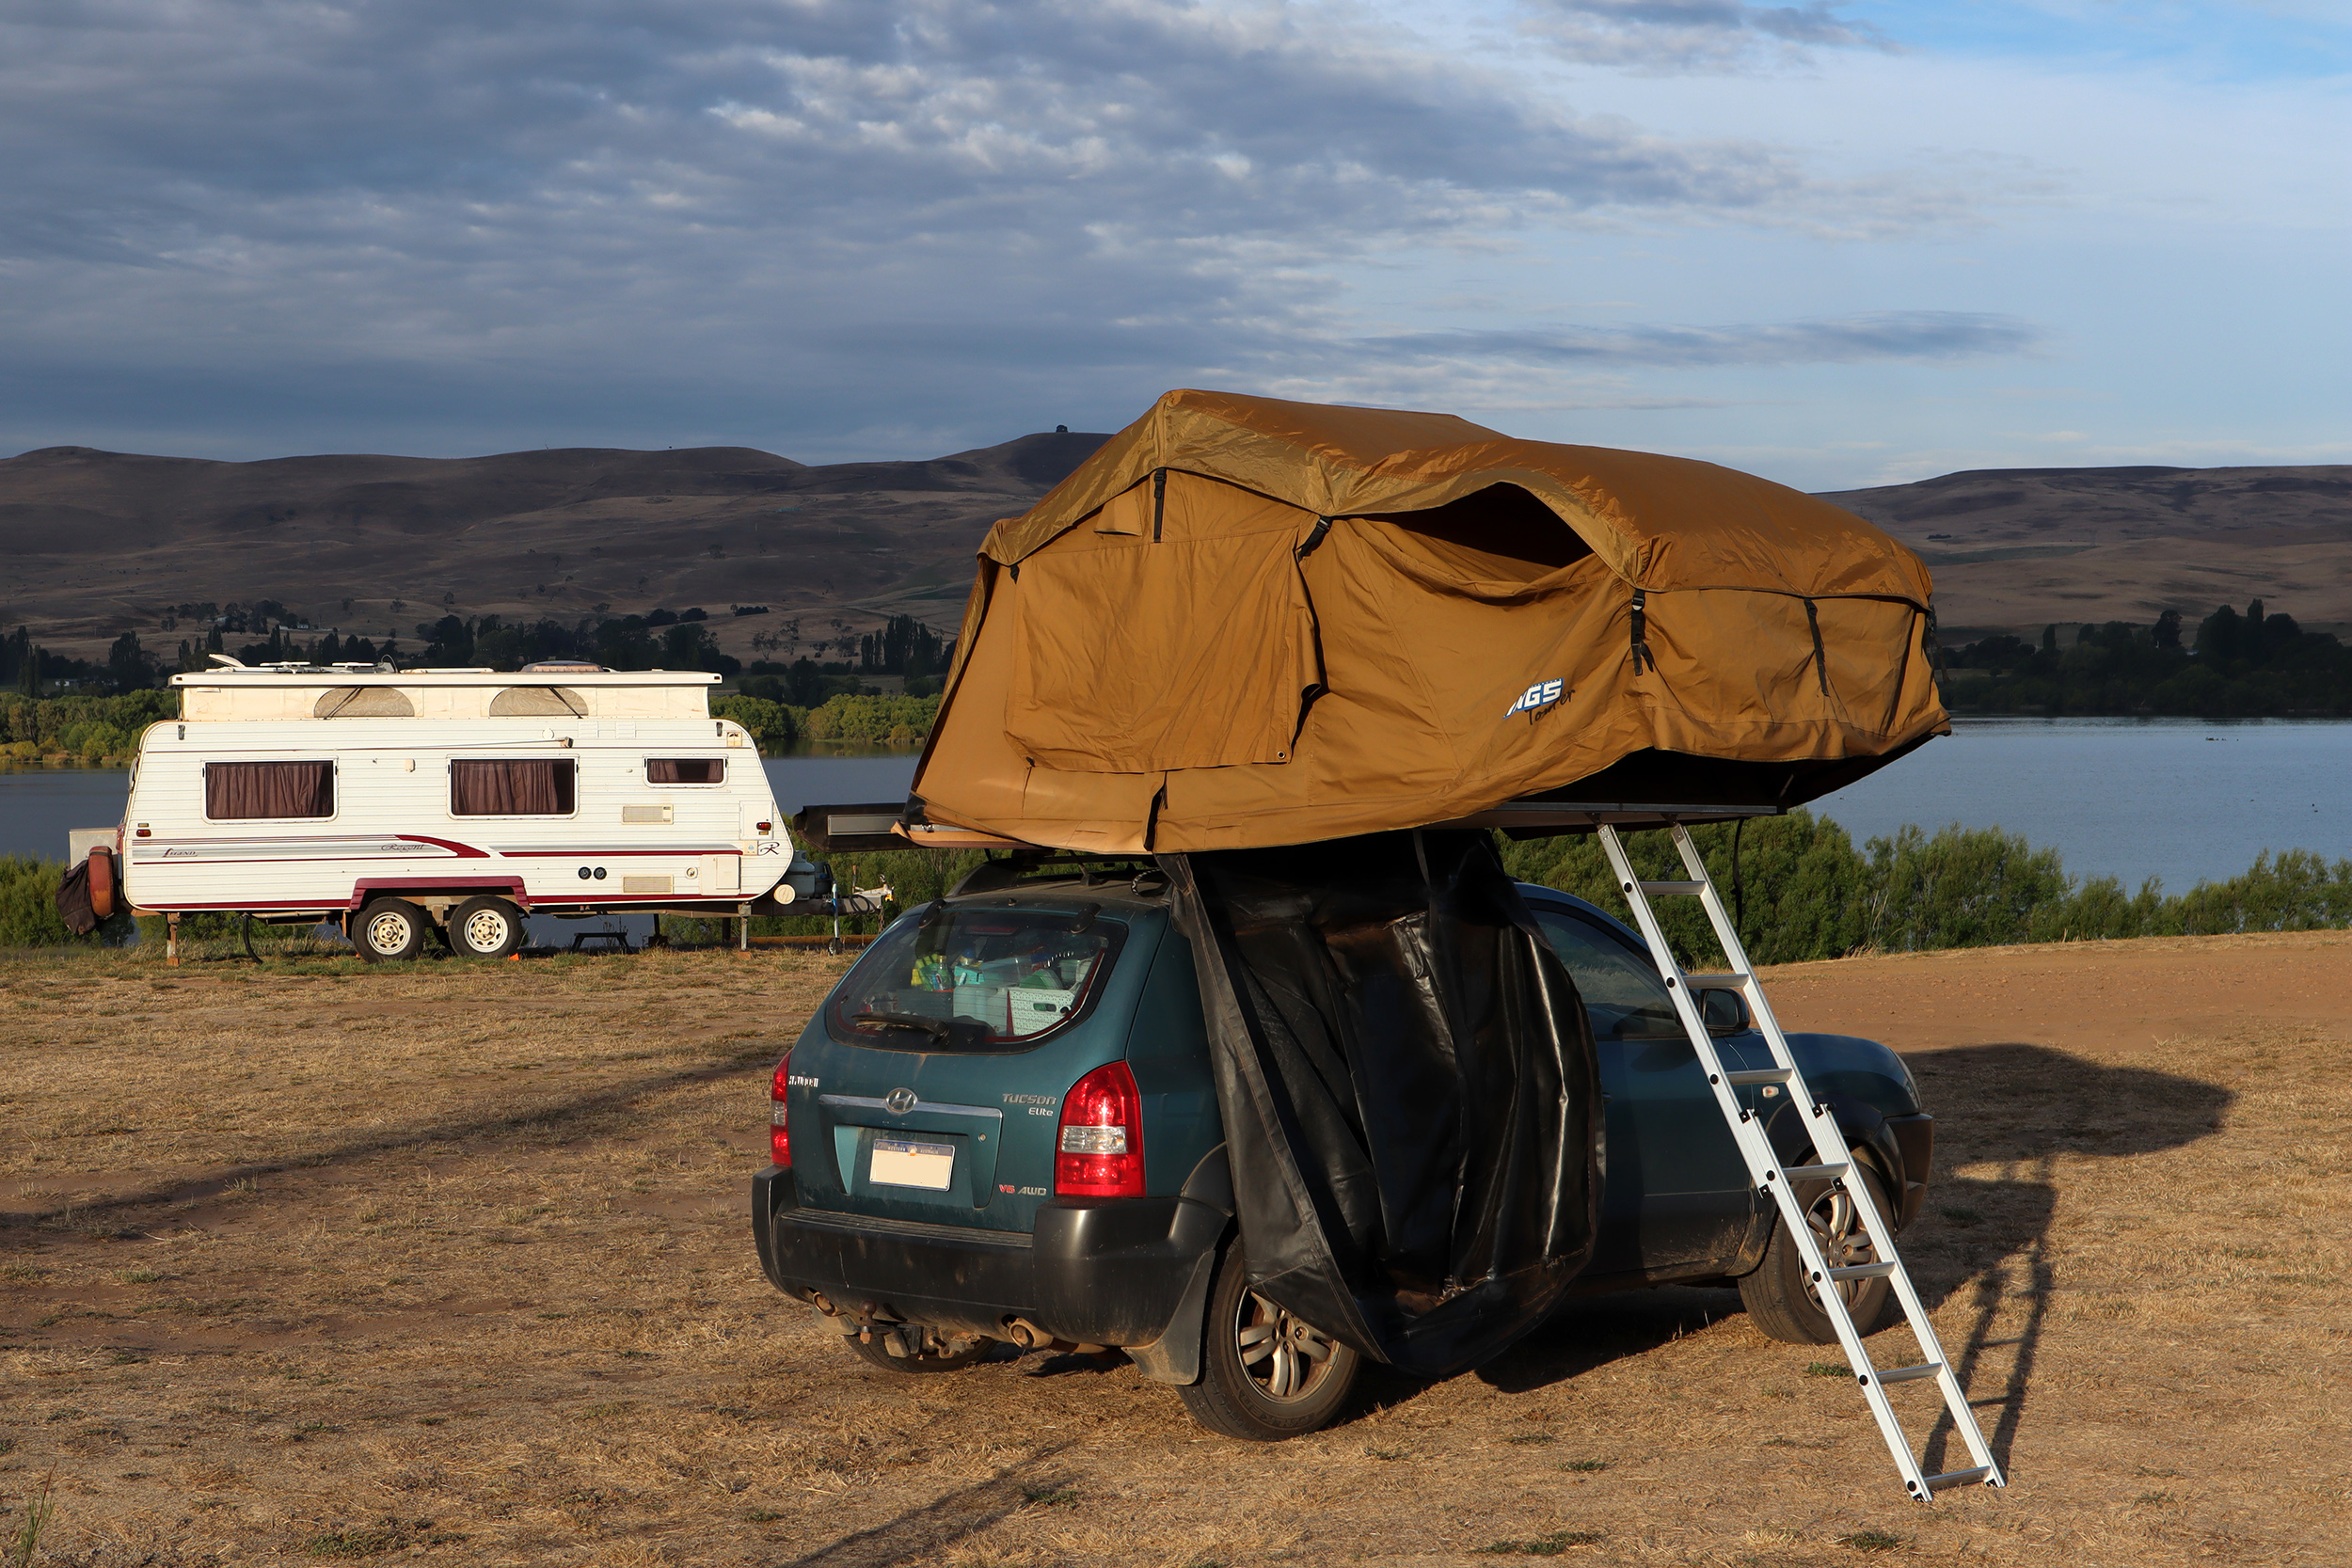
(1836, 243)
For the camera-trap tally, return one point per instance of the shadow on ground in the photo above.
(920, 1532)
(597, 1111)
(1983, 1239)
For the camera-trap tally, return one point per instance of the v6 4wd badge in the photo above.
(1542, 694)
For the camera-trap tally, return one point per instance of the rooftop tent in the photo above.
(1247, 622)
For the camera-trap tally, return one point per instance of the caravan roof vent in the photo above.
(363, 702)
(538, 702)
(562, 667)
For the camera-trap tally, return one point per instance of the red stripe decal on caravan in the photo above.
(463, 851)
(323, 906)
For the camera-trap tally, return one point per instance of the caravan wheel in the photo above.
(388, 930)
(484, 927)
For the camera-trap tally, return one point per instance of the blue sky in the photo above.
(1836, 244)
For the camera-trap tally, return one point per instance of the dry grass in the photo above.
(451, 1264)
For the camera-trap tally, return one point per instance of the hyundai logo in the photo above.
(899, 1101)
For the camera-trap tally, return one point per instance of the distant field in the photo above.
(449, 1263)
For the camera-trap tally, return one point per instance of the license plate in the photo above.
(901, 1163)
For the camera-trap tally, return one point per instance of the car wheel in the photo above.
(924, 1356)
(1787, 1306)
(390, 930)
(1264, 1373)
(485, 928)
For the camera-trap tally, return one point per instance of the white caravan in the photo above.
(396, 803)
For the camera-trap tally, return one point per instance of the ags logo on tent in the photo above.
(1542, 694)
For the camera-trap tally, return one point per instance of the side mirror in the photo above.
(1724, 1012)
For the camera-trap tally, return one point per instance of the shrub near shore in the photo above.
(88, 730)
(842, 720)
(1810, 894)
(1806, 891)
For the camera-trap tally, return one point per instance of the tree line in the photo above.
(92, 729)
(2235, 665)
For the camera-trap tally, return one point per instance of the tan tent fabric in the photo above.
(1245, 621)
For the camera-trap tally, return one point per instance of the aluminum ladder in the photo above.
(1781, 1181)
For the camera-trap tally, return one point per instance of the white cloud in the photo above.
(820, 223)
(1695, 35)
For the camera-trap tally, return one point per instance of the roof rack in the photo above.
(873, 827)
(1087, 871)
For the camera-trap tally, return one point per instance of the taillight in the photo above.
(1101, 1150)
(779, 1133)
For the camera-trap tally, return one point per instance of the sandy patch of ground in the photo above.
(449, 1263)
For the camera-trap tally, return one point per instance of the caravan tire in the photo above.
(484, 927)
(390, 930)
(1265, 1375)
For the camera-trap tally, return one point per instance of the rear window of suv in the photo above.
(975, 978)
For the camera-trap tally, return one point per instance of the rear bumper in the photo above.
(1107, 1271)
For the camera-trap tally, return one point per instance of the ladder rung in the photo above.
(1797, 1187)
(1957, 1477)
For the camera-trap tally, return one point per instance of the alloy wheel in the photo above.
(1284, 1356)
(1838, 1230)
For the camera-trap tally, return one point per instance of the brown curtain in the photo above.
(511, 788)
(686, 770)
(240, 791)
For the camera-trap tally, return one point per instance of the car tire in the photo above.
(484, 927)
(1264, 1374)
(876, 1352)
(1782, 1302)
(390, 930)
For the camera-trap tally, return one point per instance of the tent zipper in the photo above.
(1641, 633)
(1314, 537)
(1159, 502)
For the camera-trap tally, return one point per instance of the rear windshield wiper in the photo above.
(938, 1028)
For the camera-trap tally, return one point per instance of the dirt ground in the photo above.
(450, 1262)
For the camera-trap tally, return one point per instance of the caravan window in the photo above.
(686, 770)
(512, 788)
(250, 791)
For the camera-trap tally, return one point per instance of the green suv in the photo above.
(1002, 1126)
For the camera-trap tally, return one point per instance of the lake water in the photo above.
(2178, 800)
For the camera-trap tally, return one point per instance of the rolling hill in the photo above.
(2015, 549)
(93, 544)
